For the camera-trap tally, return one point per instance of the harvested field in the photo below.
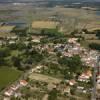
(44, 24)
(70, 18)
(5, 30)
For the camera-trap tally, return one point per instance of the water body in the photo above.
(98, 13)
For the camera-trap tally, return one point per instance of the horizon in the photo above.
(50, 0)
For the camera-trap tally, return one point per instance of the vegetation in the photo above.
(55, 40)
(94, 46)
(98, 33)
(51, 32)
(66, 67)
(7, 76)
(53, 94)
(74, 63)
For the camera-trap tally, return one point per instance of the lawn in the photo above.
(7, 76)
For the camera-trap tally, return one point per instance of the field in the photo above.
(44, 78)
(44, 24)
(70, 18)
(7, 76)
(5, 30)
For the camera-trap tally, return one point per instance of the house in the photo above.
(72, 82)
(84, 77)
(72, 40)
(36, 40)
(98, 82)
(23, 82)
(6, 98)
(12, 42)
(80, 87)
(98, 79)
(9, 92)
(14, 37)
(15, 87)
(67, 89)
(67, 54)
(17, 95)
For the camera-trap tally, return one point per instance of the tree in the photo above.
(74, 32)
(59, 54)
(4, 52)
(21, 45)
(72, 91)
(98, 33)
(74, 63)
(53, 94)
(20, 31)
(16, 62)
(3, 62)
(12, 46)
(95, 46)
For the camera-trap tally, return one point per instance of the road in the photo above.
(96, 70)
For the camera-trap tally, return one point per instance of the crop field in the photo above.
(78, 19)
(70, 18)
(44, 24)
(5, 30)
(7, 76)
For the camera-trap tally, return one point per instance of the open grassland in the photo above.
(7, 76)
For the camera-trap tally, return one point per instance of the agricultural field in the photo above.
(7, 76)
(5, 30)
(44, 24)
(70, 18)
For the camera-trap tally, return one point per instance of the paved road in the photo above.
(94, 93)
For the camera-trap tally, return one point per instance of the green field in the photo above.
(7, 76)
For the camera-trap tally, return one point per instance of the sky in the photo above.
(51, 0)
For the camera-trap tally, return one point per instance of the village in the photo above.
(55, 67)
